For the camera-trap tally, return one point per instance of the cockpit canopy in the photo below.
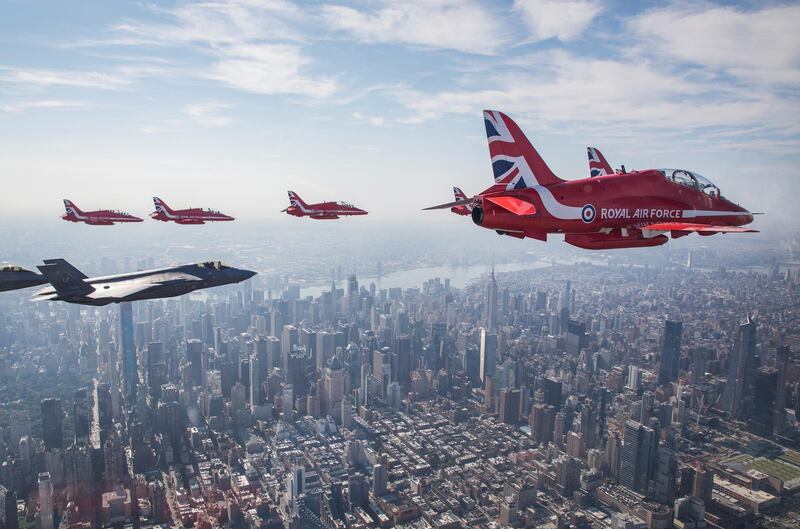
(12, 268)
(216, 265)
(691, 179)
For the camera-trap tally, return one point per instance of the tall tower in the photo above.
(781, 364)
(46, 500)
(638, 456)
(670, 352)
(130, 375)
(491, 303)
(8, 508)
(741, 370)
(488, 353)
(51, 423)
(255, 383)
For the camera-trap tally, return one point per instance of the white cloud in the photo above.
(48, 77)
(22, 106)
(462, 25)
(562, 19)
(612, 97)
(209, 113)
(253, 44)
(268, 69)
(761, 45)
(375, 121)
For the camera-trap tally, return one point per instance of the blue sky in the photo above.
(230, 103)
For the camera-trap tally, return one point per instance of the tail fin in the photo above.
(161, 206)
(65, 278)
(71, 208)
(598, 166)
(459, 194)
(515, 163)
(295, 200)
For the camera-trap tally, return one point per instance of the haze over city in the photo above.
(415, 264)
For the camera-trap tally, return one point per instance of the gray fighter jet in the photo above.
(71, 285)
(14, 277)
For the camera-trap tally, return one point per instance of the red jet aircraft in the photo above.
(186, 216)
(320, 211)
(101, 217)
(466, 209)
(619, 210)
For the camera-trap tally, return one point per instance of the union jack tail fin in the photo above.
(598, 166)
(71, 207)
(515, 163)
(459, 194)
(161, 205)
(295, 200)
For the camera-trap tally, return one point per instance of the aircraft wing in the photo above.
(462, 202)
(120, 289)
(704, 229)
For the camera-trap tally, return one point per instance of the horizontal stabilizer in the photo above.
(514, 205)
(699, 228)
(462, 202)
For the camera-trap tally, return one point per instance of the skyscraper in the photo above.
(130, 375)
(741, 369)
(194, 354)
(670, 352)
(509, 405)
(8, 508)
(665, 487)
(638, 456)
(542, 423)
(761, 420)
(491, 303)
(379, 475)
(255, 382)
(45, 501)
(552, 392)
(52, 423)
(80, 415)
(488, 353)
(781, 365)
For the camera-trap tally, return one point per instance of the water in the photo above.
(459, 276)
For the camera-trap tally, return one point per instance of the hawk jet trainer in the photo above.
(101, 217)
(186, 216)
(619, 210)
(321, 210)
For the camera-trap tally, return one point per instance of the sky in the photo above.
(228, 104)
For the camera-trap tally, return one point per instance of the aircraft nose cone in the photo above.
(246, 274)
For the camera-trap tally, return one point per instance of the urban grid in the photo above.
(573, 396)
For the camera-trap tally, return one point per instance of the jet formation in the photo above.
(69, 284)
(320, 211)
(608, 210)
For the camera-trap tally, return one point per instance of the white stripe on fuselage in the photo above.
(692, 213)
(161, 209)
(72, 211)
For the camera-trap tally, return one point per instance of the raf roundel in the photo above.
(588, 213)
